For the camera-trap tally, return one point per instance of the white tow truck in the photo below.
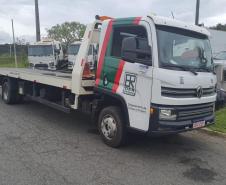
(139, 83)
(46, 54)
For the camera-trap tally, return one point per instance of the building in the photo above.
(218, 40)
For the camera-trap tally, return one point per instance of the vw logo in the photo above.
(199, 92)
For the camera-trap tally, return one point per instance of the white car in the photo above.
(220, 58)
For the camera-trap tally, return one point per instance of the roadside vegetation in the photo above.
(9, 61)
(220, 125)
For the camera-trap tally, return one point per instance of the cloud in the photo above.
(58, 11)
(4, 37)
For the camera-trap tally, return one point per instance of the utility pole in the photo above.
(14, 43)
(38, 35)
(10, 50)
(197, 12)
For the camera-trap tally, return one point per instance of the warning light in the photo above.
(103, 18)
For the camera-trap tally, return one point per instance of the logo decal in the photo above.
(199, 92)
(181, 80)
(130, 84)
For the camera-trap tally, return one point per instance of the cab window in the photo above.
(122, 32)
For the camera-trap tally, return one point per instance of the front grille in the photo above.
(195, 111)
(185, 93)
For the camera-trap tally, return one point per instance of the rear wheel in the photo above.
(5, 92)
(111, 126)
(10, 92)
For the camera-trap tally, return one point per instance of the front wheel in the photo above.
(112, 127)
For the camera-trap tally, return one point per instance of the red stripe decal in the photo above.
(137, 20)
(118, 76)
(103, 51)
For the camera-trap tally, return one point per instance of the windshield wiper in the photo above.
(184, 68)
(207, 69)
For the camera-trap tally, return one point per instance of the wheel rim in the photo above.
(5, 92)
(108, 127)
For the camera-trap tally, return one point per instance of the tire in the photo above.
(10, 92)
(111, 126)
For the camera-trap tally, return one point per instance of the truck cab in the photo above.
(163, 89)
(45, 54)
(73, 50)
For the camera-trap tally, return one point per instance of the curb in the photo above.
(213, 133)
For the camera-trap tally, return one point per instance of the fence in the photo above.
(7, 55)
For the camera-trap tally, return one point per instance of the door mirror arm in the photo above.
(136, 50)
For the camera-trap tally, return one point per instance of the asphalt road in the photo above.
(42, 146)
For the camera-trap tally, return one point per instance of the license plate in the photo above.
(199, 124)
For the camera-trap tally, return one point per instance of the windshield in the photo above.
(180, 49)
(40, 50)
(221, 56)
(73, 49)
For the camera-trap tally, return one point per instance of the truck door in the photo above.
(130, 80)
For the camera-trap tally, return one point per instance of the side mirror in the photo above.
(57, 51)
(135, 49)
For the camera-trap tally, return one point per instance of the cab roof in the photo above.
(45, 42)
(159, 20)
(179, 24)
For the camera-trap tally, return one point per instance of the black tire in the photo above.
(10, 92)
(119, 136)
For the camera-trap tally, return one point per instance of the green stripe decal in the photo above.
(112, 67)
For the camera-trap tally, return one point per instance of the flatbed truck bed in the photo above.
(53, 78)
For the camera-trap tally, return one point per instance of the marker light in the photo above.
(103, 18)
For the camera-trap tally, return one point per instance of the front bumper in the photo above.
(186, 117)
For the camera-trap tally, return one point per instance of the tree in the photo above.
(219, 26)
(67, 33)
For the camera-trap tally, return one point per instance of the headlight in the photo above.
(167, 114)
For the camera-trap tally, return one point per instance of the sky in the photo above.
(53, 12)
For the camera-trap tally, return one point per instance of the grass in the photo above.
(220, 125)
(9, 61)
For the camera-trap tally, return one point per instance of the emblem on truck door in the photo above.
(130, 84)
(199, 92)
(181, 80)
